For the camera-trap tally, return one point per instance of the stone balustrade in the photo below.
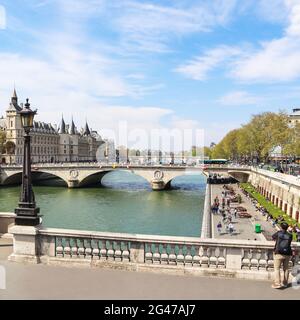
(6, 220)
(179, 255)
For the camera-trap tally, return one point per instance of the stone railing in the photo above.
(7, 219)
(282, 177)
(180, 255)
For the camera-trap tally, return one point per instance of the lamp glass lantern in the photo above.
(27, 116)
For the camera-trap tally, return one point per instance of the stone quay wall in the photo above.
(281, 189)
(206, 229)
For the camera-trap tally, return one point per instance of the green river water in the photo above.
(124, 203)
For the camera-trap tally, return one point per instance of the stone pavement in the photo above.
(53, 282)
(244, 226)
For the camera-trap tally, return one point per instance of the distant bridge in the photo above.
(81, 175)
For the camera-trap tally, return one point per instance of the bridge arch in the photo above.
(92, 178)
(15, 178)
(95, 178)
(240, 176)
(12, 179)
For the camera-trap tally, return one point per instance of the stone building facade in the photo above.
(48, 144)
(294, 117)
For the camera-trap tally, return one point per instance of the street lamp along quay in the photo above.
(27, 212)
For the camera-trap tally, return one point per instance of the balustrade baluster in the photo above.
(74, 249)
(255, 258)
(213, 257)
(188, 259)
(126, 251)
(95, 249)
(59, 250)
(156, 254)
(164, 257)
(103, 250)
(110, 251)
(221, 258)
(204, 257)
(196, 257)
(262, 262)
(88, 249)
(180, 256)
(246, 259)
(67, 248)
(81, 248)
(118, 252)
(172, 254)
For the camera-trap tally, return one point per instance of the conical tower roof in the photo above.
(72, 131)
(15, 94)
(62, 126)
(13, 105)
(87, 131)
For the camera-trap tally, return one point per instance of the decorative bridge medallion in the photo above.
(158, 175)
(74, 173)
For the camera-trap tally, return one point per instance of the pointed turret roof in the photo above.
(72, 131)
(62, 126)
(15, 94)
(87, 131)
(13, 105)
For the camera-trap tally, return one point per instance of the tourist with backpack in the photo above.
(282, 255)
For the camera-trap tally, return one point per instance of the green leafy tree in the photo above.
(2, 141)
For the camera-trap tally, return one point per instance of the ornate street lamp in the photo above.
(27, 212)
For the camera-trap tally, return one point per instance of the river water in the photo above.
(125, 203)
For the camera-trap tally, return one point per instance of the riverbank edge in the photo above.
(206, 229)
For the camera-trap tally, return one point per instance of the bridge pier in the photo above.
(158, 185)
(73, 183)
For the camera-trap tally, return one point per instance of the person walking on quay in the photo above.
(230, 228)
(224, 216)
(219, 227)
(282, 255)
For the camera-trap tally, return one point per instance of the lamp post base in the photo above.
(27, 216)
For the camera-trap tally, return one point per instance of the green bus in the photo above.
(215, 161)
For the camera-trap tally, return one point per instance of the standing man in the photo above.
(282, 254)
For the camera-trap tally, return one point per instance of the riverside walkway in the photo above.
(29, 281)
(244, 227)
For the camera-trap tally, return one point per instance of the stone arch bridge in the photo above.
(76, 175)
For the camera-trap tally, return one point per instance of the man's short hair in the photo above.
(284, 226)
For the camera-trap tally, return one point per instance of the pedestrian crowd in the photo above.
(223, 206)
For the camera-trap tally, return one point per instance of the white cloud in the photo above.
(199, 67)
(277, 60)
(2, 17)
(237, 98)
(149, 27)
(294, 17)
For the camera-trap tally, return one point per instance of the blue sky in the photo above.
(207, 64)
